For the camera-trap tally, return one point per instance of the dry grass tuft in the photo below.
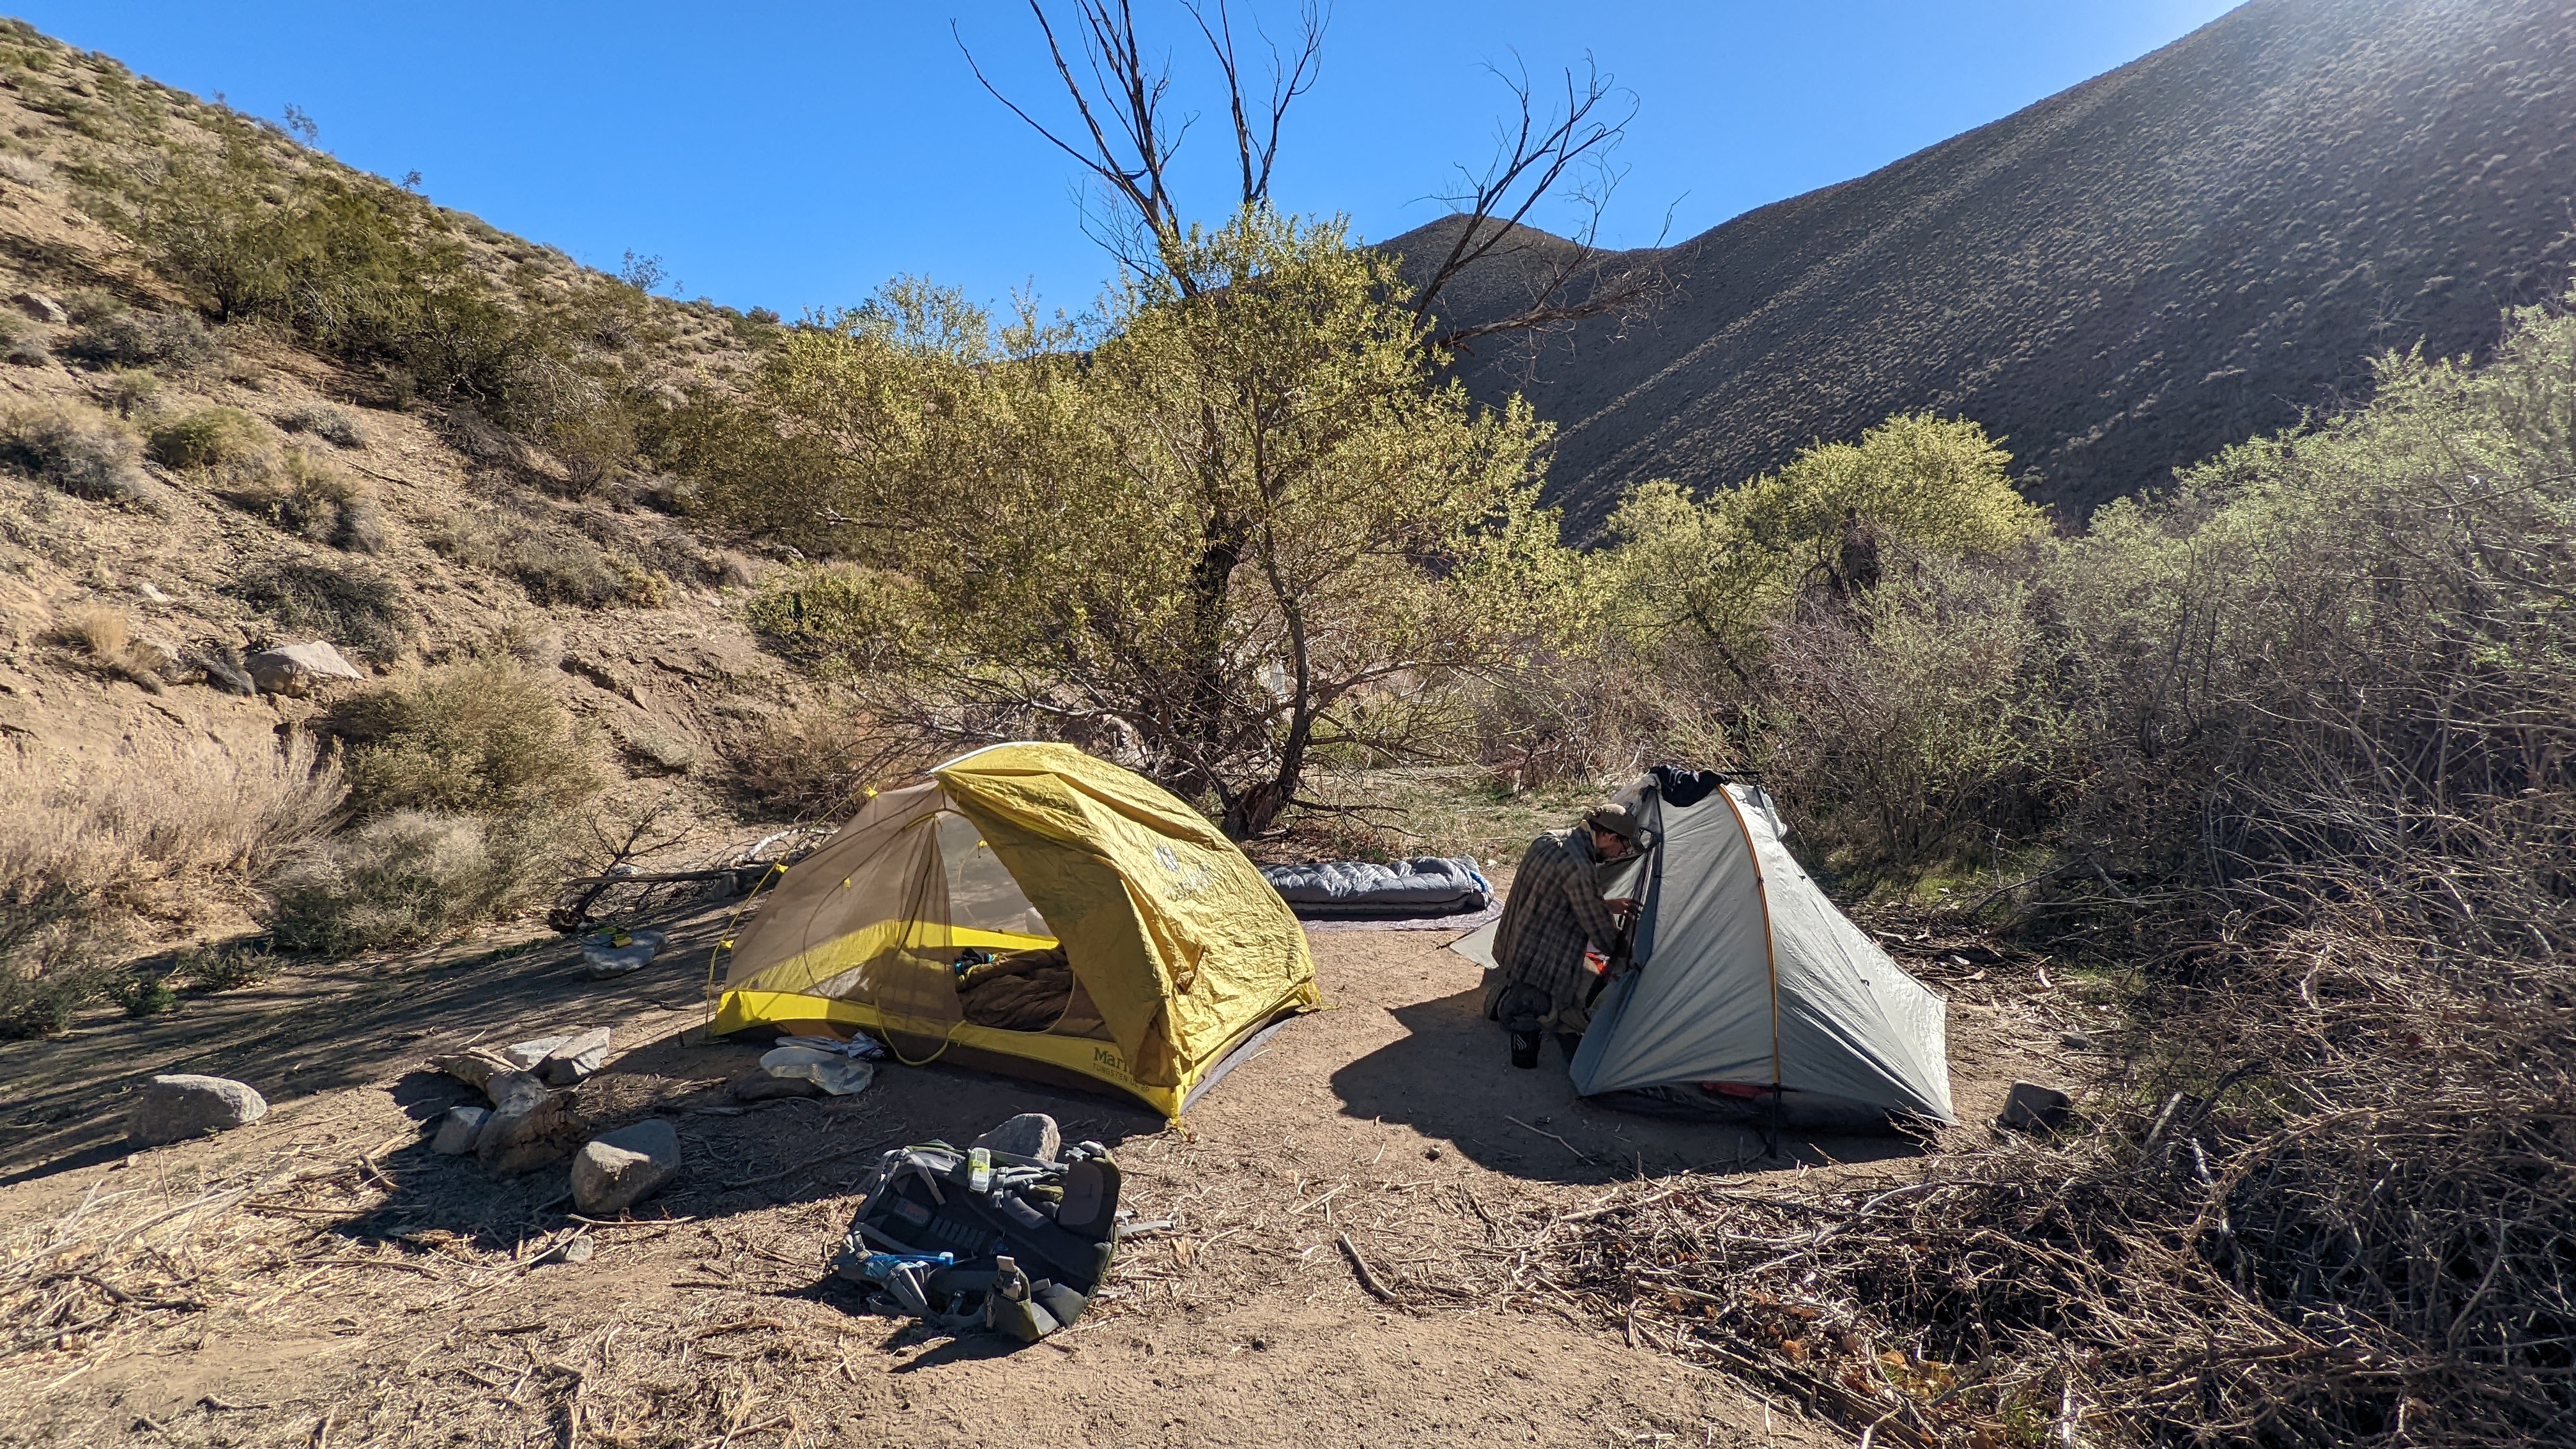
(108, 636)
(100, 855)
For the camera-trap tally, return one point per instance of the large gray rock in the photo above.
(457, 1131)
(2034, 1108)
(527, 1133)
(174, 1108)
(1030, 1134)
(616, 1171)
(574, 1058)
(296, 668)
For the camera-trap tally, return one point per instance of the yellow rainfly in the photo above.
(1179, 952)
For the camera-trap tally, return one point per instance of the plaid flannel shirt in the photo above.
(1555, 909)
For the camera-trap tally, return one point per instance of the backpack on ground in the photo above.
(973, 1238)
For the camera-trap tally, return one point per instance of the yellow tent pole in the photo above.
(1770, 949)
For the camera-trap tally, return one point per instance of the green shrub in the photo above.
(378, 278)
(77, 449)
(225, 968)
(47, 1004)
(1710, 575)
(145, 994)
(482, 737)
(355, 609)
(207, 438)
(406, 878)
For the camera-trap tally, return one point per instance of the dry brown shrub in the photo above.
(409, 877)
(99, 854)
(555, 566)
(818, 760)
(1585, 717)
(75, 448)
(310, 495)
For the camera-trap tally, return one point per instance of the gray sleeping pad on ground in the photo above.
(1425, 887)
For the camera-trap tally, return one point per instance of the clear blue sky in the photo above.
(796, 154)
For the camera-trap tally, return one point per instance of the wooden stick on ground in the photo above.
(1543, 1132)
(1368, 1279)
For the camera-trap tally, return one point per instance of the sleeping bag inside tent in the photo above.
(1032, 910)
(1749, 991)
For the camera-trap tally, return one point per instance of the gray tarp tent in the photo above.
(1746, 977)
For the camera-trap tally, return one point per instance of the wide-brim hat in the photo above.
(1619, 820)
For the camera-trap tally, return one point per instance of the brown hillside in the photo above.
(2119, 279)
(482, 536)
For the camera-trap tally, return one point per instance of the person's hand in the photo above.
(1621, 910)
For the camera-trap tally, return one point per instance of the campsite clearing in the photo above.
(323, 1265)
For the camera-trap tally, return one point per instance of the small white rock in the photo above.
(574, 1058)
(526, 1055)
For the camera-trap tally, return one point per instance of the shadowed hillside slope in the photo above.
(2119, 279)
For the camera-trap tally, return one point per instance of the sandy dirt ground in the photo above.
(321, 1279)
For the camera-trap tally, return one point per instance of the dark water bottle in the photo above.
(1525, 1042)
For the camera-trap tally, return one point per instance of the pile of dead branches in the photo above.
(2332, 1200)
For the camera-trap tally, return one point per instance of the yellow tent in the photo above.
(1032, 910)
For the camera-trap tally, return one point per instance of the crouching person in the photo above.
(1554, 913)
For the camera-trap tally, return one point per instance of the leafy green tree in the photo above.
(1716, 572)
(1244, 526)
